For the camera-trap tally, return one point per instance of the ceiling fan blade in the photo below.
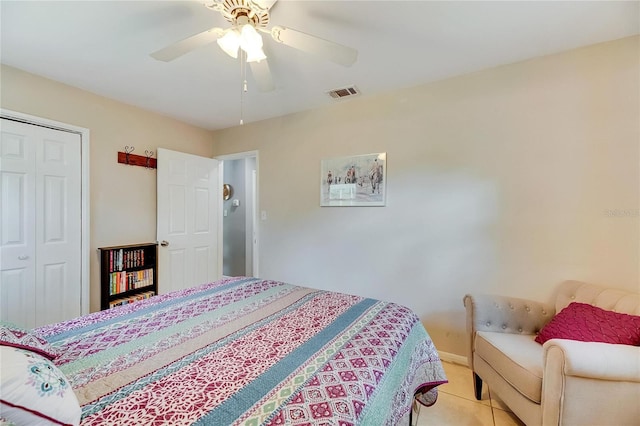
(265, 4)
(329, 50)
(180, 48)
(262, 75)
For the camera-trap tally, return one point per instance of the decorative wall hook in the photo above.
(149, 155)
(146, 160)
(128, 150)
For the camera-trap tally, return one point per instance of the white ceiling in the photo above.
(104, 47)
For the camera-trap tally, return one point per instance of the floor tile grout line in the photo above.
(489, 405)
(493, 416)
(465, 398)
(473, 401)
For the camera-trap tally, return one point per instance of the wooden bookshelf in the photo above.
(127, 274)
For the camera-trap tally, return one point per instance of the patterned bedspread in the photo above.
(248, 351)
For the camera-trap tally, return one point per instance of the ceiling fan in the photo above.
(247, 18)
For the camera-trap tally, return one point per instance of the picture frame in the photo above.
(357, 180)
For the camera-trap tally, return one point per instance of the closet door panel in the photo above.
(17, 224)
(16, 292)
(40, 224)
(58, 233)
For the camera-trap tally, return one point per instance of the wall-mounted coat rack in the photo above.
(146, 160)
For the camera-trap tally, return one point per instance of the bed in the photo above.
(246, 351)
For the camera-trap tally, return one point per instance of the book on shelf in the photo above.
(124, 281)
(131, 299)
(121, 259)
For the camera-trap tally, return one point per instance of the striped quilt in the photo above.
(248, 351)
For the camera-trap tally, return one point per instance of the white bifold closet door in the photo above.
(40, 218)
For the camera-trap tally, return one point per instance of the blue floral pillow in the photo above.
(34, 391)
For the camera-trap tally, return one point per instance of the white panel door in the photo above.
(17, 216)
(40, 240)
(188, 220)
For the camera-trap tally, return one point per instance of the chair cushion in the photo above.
(517, 358)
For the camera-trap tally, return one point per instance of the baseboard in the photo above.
(453, 358)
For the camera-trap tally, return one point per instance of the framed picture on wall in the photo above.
(358, 180)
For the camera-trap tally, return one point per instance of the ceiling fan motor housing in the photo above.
(241, 12)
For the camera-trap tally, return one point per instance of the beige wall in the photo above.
(123, 198)
(507, 180)
(500, 181)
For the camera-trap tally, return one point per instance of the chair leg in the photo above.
(477, 385)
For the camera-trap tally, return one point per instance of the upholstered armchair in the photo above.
(562, 382)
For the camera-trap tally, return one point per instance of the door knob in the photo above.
(164, 243)
(23, 257)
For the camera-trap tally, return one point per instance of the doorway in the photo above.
(239, 214)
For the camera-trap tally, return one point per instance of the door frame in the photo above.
(256, 195)
(84, 191)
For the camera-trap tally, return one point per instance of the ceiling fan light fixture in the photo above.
(256, 55)
(251, 42)
(249, 37)
(230, 43)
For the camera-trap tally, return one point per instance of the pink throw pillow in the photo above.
(588, 323)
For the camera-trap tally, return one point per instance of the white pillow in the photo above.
(35, 391)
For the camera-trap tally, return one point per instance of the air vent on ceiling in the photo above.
(344, 92)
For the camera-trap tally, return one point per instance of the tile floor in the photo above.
(458, 406)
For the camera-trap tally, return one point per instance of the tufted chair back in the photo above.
(502, 314)
(606, 298)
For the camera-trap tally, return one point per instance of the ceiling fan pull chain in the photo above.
(243, 80)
